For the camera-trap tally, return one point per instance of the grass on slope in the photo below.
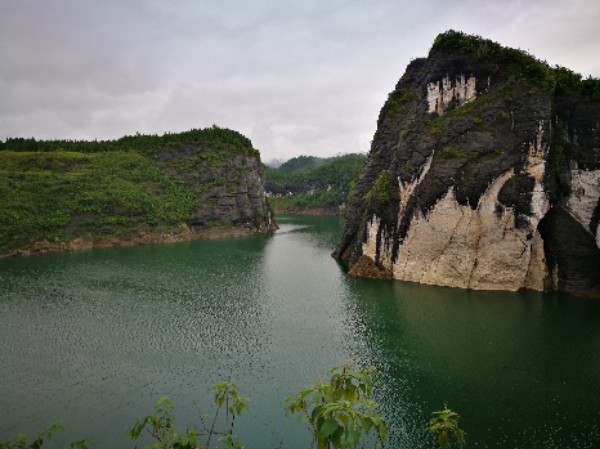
(65, 194)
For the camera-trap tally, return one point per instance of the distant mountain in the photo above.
(309, 183)
(273, 163)
(302, 163)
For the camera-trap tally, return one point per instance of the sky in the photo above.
(296, 77)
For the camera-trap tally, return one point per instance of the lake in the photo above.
(94, 338)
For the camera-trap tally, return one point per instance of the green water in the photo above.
(94, 338)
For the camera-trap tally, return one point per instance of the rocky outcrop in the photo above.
(228, 187)
(229, 190)
(484, 173)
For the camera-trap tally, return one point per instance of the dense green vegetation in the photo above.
(59, 190)
(308, 182)
(65, 194)
(521, 63)
(339, 413)
(380, 191)
(299, 163)
(214, 138)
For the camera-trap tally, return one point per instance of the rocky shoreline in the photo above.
(185, 234)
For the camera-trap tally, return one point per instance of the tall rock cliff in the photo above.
(227, 186)
(484, 173)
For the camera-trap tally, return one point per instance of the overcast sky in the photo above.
(296, 77)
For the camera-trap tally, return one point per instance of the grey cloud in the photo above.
(296, 77)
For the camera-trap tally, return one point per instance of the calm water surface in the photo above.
(94, 338)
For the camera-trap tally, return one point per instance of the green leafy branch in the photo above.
(20, 441)
(339, 413)
(444, 425)
(160, 425)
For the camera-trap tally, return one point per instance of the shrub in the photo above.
(340, 413)
(380, 191)
(444, 426)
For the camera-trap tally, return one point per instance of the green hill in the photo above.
(301, 163)
(57, 195)
(308, 183)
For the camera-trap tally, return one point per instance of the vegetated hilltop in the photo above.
(308, 184)
(68, 195)
(484, 173)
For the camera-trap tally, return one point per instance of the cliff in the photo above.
(484, 173)
(70, 195)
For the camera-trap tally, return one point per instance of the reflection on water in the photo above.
(94, 338)
(522, 368)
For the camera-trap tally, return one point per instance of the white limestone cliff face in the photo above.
(441, 93)
(536, 168)
(585, 192)
(455, 245)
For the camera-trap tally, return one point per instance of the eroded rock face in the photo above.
(459, 92)
(582, 201)
(239, 199)
(230, 192)
(477, 150)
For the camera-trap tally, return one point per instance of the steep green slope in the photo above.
(151, 188)
(309, 183)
